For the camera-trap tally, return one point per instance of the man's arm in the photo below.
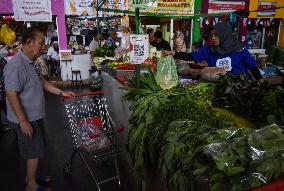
(17, 108)
(54, 90)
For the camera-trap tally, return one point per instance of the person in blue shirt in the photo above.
(225, 52)
(111, 40)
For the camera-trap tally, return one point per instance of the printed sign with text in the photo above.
(139, 48)
(32, 10)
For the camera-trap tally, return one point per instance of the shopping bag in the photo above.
(166, 75)
(93, 137)
(7, 35)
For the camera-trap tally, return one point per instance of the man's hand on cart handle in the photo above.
(68, 94)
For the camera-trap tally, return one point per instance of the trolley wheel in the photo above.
(67, 169)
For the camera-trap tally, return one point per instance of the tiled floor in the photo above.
(60, 146)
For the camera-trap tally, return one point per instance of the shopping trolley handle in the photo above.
(120, 129)
(84, 94)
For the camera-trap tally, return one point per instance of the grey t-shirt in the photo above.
(20, 76)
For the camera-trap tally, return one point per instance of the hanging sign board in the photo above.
(174, 7)
(223, 6)
(88, 7)
(171, 7)
(79, 7)
(143, 3)
(260, 9)
(65, 55)
(265, 5)
(32, 10)
(139, 48)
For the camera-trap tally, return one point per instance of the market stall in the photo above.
(80, 63)
(199, 136)
(57, 9)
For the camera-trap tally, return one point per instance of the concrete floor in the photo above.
(59, 149)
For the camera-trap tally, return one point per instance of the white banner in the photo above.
(139, 48)
(32, 10)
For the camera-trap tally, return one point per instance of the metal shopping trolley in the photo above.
(93, 132)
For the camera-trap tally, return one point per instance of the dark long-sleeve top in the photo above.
(163, 45)
(234, 63)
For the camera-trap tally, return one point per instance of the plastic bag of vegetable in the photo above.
(166, 75)
(7, 35)
(246, 158)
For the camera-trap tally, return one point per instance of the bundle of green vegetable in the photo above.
(184, 136)
(258, 102)
(105, 51)
(245, 158)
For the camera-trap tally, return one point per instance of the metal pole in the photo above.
(98, 23)
(138, 66)
(172, 34)
(279, 32)
(191, 35)
(263, 37)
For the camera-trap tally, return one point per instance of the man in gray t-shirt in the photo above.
(24, 87)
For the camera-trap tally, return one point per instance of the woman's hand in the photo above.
(168, 53)
(68, 94)
(186, 71)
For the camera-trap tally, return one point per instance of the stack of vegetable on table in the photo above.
(227, 134)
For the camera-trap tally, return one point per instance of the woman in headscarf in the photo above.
(179, 44)
(225, 52)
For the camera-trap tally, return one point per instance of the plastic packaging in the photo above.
(93, 136)
(166, 75)
(7, 35)
(249, 158)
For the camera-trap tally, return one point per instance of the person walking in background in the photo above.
(150, 33)
(179, 43)
(53, 58)
(111, 40)
(3, 126)
(25, 87)
(160, 43)
(94, 44)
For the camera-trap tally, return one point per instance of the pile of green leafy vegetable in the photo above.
(182, 133)
(245, 158)
(250, 99)
(105, 51)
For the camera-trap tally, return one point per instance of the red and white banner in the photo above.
(32, 10)
(264, 6)
(219, 6)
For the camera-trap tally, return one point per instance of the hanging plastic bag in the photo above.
(94, 139)
(166, 75)
(7, 35)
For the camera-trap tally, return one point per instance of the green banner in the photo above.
(171, 7)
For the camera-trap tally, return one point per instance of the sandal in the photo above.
(44, 180)
(40, 188)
